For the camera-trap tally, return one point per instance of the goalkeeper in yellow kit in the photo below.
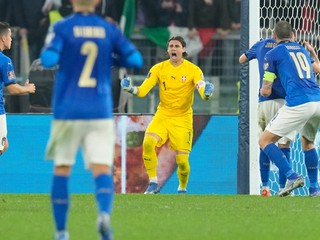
(177, 78)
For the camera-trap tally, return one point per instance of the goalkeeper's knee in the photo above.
(183, 163)
(149, 152)
(149, 145)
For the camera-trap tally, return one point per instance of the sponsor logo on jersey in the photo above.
(184, 78)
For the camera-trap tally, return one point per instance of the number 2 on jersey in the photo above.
(301, 62)
(89, 49)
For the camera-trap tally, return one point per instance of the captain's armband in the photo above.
(269, 76)
(200, 84)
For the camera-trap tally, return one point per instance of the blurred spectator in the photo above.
(111, 10)
(27, 16)
(229, 26)
(6, 16)
(53, 11)
(203, 21)
(179, 27)
(6, 11)
(166, 18)
(157, 13)
(49, 5)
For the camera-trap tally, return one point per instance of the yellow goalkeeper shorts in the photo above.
(179, 131)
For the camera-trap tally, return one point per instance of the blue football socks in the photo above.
(311, 161)
(282, 177)
(264, 168)
(280, 160)
(104, 192)
(60, 201)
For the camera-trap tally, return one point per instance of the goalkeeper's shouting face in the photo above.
(176, 50)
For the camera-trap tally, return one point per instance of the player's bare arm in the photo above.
(16, 88)
(314, 55)
(266, 88)
(243, 58)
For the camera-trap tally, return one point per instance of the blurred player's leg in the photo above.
(104, 197)
(60, 205)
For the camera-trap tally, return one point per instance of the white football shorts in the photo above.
(305, 117)
(266, 111)
(3, 129)
(95, 137)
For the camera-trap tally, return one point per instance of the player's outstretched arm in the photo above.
(126, 85)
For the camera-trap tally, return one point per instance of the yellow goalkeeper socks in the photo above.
(183, 169)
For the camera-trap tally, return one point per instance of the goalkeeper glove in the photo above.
(208, 90)
(126, 84)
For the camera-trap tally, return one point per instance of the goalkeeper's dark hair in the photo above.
(283, 30)
(4, 27)
(183, 43)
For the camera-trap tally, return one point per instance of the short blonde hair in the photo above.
(84, 2)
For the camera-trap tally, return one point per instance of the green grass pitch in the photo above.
(164, 216)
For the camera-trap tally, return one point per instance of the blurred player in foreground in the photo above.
(84, 45)
(269, 106)
(292, 64)
(177, 78)
(9, 80)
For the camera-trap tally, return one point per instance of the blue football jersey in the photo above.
(292, 64)
(258, 51)
(7, 77)
(86, 44)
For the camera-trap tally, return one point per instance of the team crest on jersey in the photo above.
(11, 75)
(184, 78)
(265, 66)
(149, 75)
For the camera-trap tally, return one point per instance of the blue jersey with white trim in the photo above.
(292, 64)
(86, 44)
(258, 51)
(7, 77)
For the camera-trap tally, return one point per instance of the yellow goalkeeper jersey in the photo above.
(176, 86)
